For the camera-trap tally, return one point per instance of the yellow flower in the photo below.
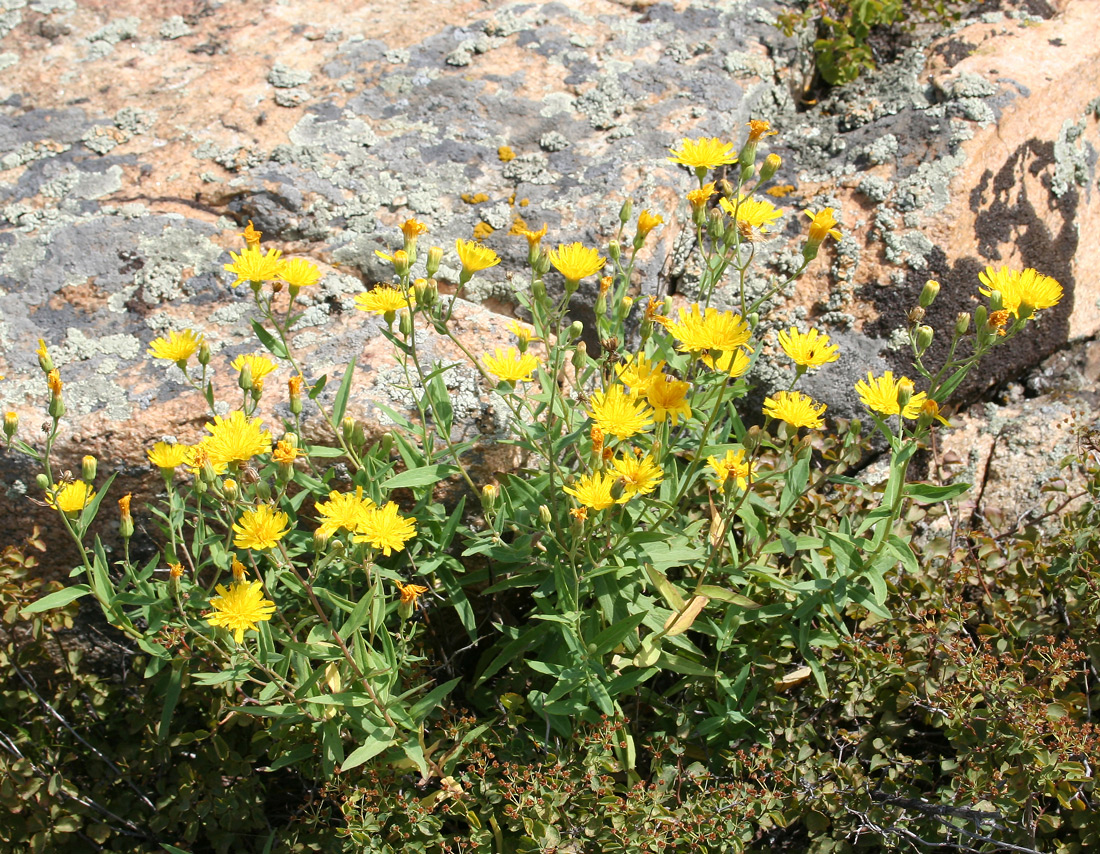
(198, 455)
(251, 235)
(44, 360)
(1022, 293)
(384, 528)
(754, 213)
(475, 257)
(382, 299)
(821, 225)
(796, 409)
(236, 439)
(166, 456)
(647, 222)
(759, 128)
(576, 261)
(594, 490)
(810, 349)
(252, 265)
(713, 330)
(705, 153)
(734, 362)
(238, 570)
(343, 510)
(298, 272)
(259, 365)
(177, 347)
(524, 333)
(638, 372)
(240, 607)
(511, 366)
(880, 394)
(70, 498)
(412, 229)
(410, 592)
(261, 528)
(640, 474)
(175, 570)
(620, 414)
(732, 465)
(668, 397)
(285, 452)
(698, 198)
(930, 409)
(534, 238)
(53, 381)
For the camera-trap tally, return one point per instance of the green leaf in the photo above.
(340, 404)
(318, 387)
(292, 757)
(612, 636)
(57, 599)
(273, 344)
(422, 476)
(672, 596)
(372, 745)
(713, 591)
(88, 515)
(426, 704)
(926, 493)
(171, 699)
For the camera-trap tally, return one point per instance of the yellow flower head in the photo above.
(754, 213)
(620, 414)
(759, 129)
(475, 257)
(647, 222)
(412, 229)
(713, 330)
(53, 381)
(177, 347)
(44, 360)
(238, 570)
(298, 272)
(594, 490)
(236, 439)
(261, 528)
(410, 593)
(821, 225)
(285, 452)
(197, 456)
(343, 510)
(167, 456)
(175, 570)
(383, 299)
(522, 331)
(640, 475)
(240, 607)
(124, 505)
(736, 363)
(732, 465)
(880, 394)
(259, 365)
(384, 528)
(251, 235)
(576, 261)
(511, 366)
(796, 409)
(252, 265)
(705, 153)
(931, 410)
(70, 498)
(698, 198)
(638, 372)
(810, 349)
(668, 397)
(534, 238)
(1022, 293)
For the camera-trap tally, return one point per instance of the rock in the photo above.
(135, 144)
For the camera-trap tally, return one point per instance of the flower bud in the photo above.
(615, 250)
(580, 357)
(347, 427)
(11, 424)
(263, 490)
(204, 354)
(981, 314)
(544, 515)
(538, 290)
(771, 165)
(996, 300)
(238, 570)
(426, 292)
(576, 329)
(625, 305)
(44, 360)
(88, 466)
(435, 258)
(962, 323)
(125, 520)
(42, 481)
(924, 339)
(56, 407)
(905, 393)
(601, 304)
(385, 445)
(626, 211)
(542, 264)
(401, 262)
(618, 488)
(230, 490)
(294, 389)
(490, 492)
(320, 542)
(245, 379)
(929, 293)
(406, 324)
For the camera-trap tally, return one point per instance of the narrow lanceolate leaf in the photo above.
(679, 623)
(273, 344)
(58, 599)
(340, 405)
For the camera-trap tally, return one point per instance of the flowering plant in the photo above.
(655, 531)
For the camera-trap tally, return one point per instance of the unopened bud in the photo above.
(347, 427)
(618, 488)
(42, 481)
(88, 466)
(905, 393)
(962, 323)
(771, 165)
(11, 424)
(385, 445)
(626, 211)
(230, 490)
(538, 290)
(435, 258)
(406, 324)
(544, 515)
(576, 329)
(580, 357)
(542, 264)
(929, 293)
(358, 435)
(204, 353)
(245, 379)
(981, 314)
(56, 407)
(924, 339)
(263, 490)
(490, 492)
(426, 292)
(996, 301)
(625, 305)
(294, 389)
(320, 541)
(614, 250)
(401, 262)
